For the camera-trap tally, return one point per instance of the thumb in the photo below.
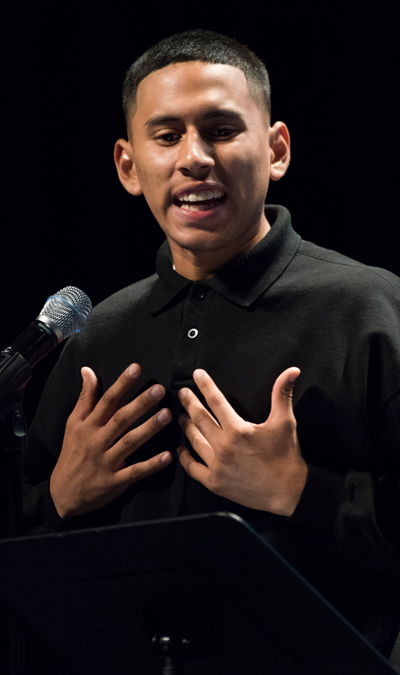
(282, 392)
(89, 395)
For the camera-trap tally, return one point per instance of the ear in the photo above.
(280, 150)
(123, 158)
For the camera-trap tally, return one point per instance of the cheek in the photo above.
(249, 171)
(154, 173)
(152, 185)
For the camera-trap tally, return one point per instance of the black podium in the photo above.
(201, 595)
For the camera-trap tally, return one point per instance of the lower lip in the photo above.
(199, 216)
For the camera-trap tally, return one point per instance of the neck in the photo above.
(198, 265)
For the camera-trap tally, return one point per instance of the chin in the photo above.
(202, 241)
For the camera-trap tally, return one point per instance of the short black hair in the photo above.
(197, 45)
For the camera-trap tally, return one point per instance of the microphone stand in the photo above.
(15, 373)
(13, 441)
(12, 444)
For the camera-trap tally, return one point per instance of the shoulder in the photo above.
(122, 304)
(327, 269)
(114, 316)
(125, 299)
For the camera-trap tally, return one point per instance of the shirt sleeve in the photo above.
(359, 511)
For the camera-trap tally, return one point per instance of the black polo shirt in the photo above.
(284, 303)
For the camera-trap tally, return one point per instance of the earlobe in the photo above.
(280, 150)
(123, 158)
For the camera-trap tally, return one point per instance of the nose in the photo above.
(195, 154)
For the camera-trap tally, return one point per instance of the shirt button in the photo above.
(200, 292)
(193, 332)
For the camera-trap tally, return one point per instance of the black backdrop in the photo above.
(66, 219)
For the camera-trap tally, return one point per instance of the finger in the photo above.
(111, 399)
(196, 438)
(282, 393)
(135, 438)
(194, 469)
(136, 472)
(126, 416)
(200, 417)
(89, 396)
(215, 398)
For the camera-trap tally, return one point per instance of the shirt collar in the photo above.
(243, 279)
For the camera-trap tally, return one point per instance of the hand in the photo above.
(91, 469)
(256, 465)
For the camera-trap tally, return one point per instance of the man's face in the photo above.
(201, 149)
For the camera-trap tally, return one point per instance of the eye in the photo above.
(168, 138)
(223, 133)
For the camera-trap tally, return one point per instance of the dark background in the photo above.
(67, 220)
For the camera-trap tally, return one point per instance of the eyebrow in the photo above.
(213, 112)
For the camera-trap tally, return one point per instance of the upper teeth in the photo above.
(200, 196)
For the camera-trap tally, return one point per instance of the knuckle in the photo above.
(136, 473)
(70, 424)
(198, 419)
(119, 418)
(108, 397)
(215, 484)
(241, 434)
(128, 441)
(288, 426)
(214, 401)
(195, 437)
(225, 452)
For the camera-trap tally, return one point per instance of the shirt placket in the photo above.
(194, 330)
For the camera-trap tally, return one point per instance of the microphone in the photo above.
(63, 314)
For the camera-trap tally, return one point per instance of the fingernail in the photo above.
(198, 373)
(165, 458)
(163, 416)
(132, 370)
(183, 392)
(156, 391)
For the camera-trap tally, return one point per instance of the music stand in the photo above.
(199, 595)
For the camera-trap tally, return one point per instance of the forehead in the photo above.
(187, 89)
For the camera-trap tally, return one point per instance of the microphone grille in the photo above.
(68, 309)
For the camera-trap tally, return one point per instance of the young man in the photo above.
(239, 305)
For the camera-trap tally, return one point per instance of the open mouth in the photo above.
(200, 201)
